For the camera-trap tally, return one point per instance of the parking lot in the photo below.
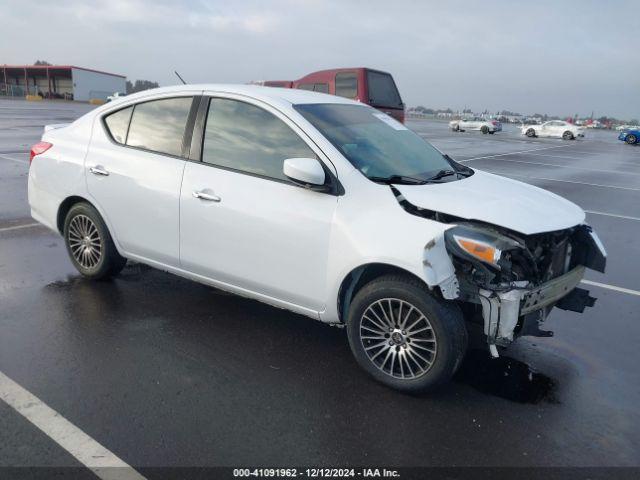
(162, 371)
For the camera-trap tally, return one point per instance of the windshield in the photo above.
(375, 143)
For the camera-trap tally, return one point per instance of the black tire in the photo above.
(447, 328)
(631, 139)
(456, 128)
(531, 133)
(567, 135)
(492, 132)
(95, 254)
(484, 129)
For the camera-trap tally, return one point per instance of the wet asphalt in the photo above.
(166, 372)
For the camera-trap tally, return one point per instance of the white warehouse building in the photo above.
(59, 81)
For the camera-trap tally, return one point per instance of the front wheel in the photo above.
(567, 135)
(631, 139)
(89, 243)
(404, 336)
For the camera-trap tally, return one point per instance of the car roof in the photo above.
(268, 94)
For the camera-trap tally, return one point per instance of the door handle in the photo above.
(206, 196)
(99, 170)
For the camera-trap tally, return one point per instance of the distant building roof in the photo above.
(60, 67)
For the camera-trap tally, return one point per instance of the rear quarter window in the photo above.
(117, 124)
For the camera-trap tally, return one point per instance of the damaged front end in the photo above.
(515, 280)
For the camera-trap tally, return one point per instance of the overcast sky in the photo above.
(557, 57)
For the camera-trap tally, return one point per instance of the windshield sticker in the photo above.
(390, 121)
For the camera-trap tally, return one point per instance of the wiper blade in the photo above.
(459, 168)
(442, 174)
(399, 179)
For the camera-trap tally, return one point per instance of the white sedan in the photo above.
(318, 205)
(476, 123)
(554, 128)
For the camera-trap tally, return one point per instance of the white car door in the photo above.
(557, 129)
(242, 222)
(545, 130)
(133, 171)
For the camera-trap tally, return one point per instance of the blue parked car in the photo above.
(631, 136)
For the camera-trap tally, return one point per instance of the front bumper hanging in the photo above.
(501, 310)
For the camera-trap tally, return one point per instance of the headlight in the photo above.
(478, 244)
(481, 250)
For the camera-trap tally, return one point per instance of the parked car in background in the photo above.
(319, 205)
(554, 128)
(476, 123)
(631, 136)
(622, 128)
(365, 85)
(115, 96)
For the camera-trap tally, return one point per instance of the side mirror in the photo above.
(305, 171)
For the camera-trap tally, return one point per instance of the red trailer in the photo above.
(365, 85)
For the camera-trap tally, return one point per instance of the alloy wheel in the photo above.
(84, 241)
(398, 338)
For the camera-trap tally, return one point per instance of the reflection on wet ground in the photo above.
(506, 377)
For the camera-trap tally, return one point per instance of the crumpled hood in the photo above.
(499, 201)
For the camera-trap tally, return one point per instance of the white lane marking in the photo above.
(85, 449)
(512, 153)
(18, 227)
(556, 156)
(567, 181)
(612, 287)
(14, 159)
(626, 217)
(563, 166)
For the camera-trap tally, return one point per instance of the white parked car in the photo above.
(554, 128)
(319, 205)
(115, 96)
(475, 123)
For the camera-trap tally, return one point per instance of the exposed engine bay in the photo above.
(511, 281)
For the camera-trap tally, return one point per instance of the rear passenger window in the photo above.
(305, 86)
(159, 125)
(347, 85)
(243, 137)
(118, 123)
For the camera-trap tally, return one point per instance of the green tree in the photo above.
(140, 85)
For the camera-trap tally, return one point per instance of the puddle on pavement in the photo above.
(506, 377)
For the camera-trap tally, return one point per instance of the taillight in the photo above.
(39, 148)
(494, 122)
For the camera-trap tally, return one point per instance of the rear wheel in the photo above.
(484, 129)
(567, 135)
(531, 133)
(89, 243)
(631, 139)
(403, 336)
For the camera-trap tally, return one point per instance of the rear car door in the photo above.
(242, 222)
(134, 169)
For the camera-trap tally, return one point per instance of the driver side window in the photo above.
(246, 138)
